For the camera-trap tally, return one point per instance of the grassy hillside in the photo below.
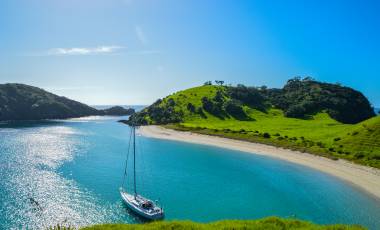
(261, 121)
(271, 223)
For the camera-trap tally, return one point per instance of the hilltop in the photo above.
(24, 102)
(321, 118)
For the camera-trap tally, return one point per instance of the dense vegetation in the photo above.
(302, 98)
(306, 115)
(23, 102)
(117, 111)
(272, 223)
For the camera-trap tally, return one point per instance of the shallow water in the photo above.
(69, 172)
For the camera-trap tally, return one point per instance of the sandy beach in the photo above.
(363, 177)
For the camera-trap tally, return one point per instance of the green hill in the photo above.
(272, 223)
(24, 102)
(320, 118)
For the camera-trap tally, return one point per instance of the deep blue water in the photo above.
(69, 172)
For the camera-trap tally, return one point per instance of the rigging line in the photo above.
(134, 158)
(139, 150)
(126, 161)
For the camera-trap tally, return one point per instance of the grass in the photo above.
(271, 223)
(320, 134)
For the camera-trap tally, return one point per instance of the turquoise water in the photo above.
(69, 172)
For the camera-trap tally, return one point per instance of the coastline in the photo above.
(366, 178)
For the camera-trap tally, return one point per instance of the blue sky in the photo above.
(135, 51)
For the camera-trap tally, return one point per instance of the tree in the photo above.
(218, 82)
(219, 97)
(208, 83)
(308, 78)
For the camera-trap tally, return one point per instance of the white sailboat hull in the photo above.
(135, 204)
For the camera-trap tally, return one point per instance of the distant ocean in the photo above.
(136, 107)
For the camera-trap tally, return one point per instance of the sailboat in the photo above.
(138, 204)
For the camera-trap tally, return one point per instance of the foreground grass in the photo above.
(319, 134)
(272, 223)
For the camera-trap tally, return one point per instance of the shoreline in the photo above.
(366, 178)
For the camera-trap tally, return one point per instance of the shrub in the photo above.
(375, 157)
(171, 102)
(250, 96)
(359, 155)
(235, 109)
(266, 135)
(337, 139)
(201, 113)
(211, 107)
(191, 107)
(296, 111)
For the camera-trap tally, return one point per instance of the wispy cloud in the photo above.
(86, 51)
(141, 35)
(83, 50)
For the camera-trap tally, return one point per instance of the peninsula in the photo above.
(24, 102)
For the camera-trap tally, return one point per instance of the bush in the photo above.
(266, 135)
(375, 157)
(296, 111)
(211, 107)
(201, 113)
(359, 155)
(191, 107)
(234, 108)
(337, 139)
(250, 96)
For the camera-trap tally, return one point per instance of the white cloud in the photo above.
(141, 35)
(83, 50)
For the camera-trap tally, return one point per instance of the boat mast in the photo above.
(134, 158)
